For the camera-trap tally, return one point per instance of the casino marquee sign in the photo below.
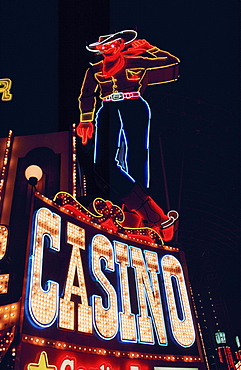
(98, 299)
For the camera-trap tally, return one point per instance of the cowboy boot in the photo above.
(132, 219)
(152, 215)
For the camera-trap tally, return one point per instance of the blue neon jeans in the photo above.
(122, 144)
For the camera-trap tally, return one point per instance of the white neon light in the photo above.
(103, 315)
(67, 364)
(154, 297)
(105, 318)
(127, 319)
(75, 237)
(148, 143)
(43, 304)
(183, 330)
(123, 136)
(96, 130)
(148, 293)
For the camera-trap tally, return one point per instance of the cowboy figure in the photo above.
(122, 124)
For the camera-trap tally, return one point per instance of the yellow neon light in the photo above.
(88, 116)
(100, 78)
(155, 50)
(162, 67)
(3, 240)
(74, 161)
(105, 210)
(5, 165)
(75, 237)
(5, 90)
(75, 347)
(9, 315)
(43, 363)
(163, 82)
(4, 279)
(135, 74)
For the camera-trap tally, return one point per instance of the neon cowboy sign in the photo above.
(88, 282)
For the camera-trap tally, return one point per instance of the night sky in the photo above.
(43, 52)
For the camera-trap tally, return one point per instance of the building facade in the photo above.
(81, 291)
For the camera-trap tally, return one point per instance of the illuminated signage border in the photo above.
(117, 273)
(89, 361)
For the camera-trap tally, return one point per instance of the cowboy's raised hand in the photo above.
(141, 44)
(85, 131)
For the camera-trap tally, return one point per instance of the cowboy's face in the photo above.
(112, 48)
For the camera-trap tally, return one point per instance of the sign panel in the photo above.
(91, 291)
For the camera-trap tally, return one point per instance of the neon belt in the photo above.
(122, 96)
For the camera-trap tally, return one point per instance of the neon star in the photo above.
(43, 363)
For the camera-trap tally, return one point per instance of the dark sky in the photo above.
(203, 34)
(43, 52)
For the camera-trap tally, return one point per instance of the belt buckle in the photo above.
(117, 96)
